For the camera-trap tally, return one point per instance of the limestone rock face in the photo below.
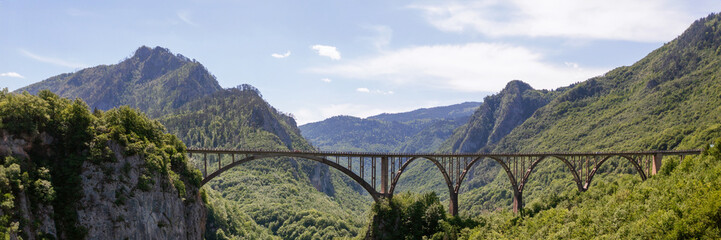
(114, 207)
(497, 116)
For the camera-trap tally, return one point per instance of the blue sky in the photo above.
(317, 59)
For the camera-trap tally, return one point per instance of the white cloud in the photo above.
(473, 67)
(11, 74)
(185, 17)
(326, 80)
(363, 90)
(327, 51)
(54, 61)
(645, 21)
(278, 55)
(366, 90)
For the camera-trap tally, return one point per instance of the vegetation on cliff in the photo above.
(45, 141)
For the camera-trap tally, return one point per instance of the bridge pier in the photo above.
(517, 202)
(656, 163)
(384, 175)
(453, 204)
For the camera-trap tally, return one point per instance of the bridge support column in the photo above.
(384, 175)
(453, 204)
(656, 163)
(517, 202)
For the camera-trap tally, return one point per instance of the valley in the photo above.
(119, 138)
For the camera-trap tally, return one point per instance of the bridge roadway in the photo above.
(388, 167)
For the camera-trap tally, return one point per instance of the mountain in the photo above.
(346, 133)
(667, 100)
(444, 112)
(497, 116)
(414, 131)
(491, 121)
(155, 81)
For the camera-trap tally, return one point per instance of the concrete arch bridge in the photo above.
(378, 173)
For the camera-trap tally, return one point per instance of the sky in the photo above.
(317, 59)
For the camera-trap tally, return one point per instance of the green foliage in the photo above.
(680, 204)
(413, 216)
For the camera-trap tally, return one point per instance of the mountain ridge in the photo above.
(156, 81)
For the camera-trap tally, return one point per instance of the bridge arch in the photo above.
(571, 168)
(509, 173)
(409, 161)
(375, 194)
(453, 195)
(598, 165)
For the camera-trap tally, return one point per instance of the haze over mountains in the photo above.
(671, 99)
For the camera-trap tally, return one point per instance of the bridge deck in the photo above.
(380, 154)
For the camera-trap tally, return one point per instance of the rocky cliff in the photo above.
(68, 174)
(497, 116)
(114, 207)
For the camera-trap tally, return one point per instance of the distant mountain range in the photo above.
(419, 130)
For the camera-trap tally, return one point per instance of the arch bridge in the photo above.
(378, 173)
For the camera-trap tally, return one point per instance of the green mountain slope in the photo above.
(671, 99)
(287, 198)
(155, 81)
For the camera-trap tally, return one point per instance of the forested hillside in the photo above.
(287, 198)
(671, 99)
